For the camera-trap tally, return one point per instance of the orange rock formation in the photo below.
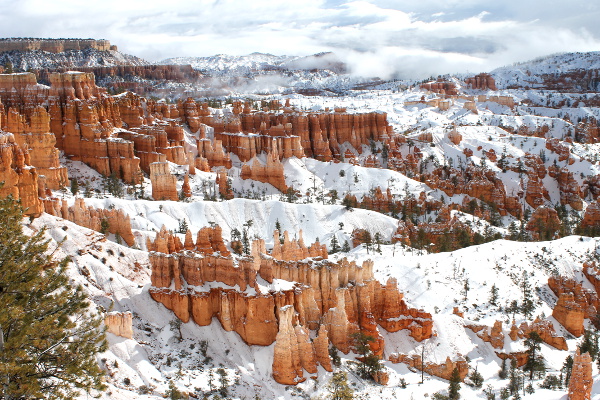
(164, 184)
(333, 299)
(443, 371)
(580, 384)
(272, 172)
(90, 217)
(119, 324)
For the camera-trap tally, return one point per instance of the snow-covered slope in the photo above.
(37, 59)
(536, 72)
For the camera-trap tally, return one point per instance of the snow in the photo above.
(118, 278)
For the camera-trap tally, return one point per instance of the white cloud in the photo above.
(379, 37)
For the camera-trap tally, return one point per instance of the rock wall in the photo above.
(569, 314)
(333, 299)
(19, 177)
(53, 45)
(90, 217)
(443, 371)
(290, 133)
(581, 382)
(164, 184)
(120, 324)
(35, 137)
(482, 81)
(272, 172)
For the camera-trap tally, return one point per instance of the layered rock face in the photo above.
(54, 45)
(19, 177)
(333, 299)
(543, 224)
(441, 87)
(90, 217)
(36, 138)
(287, 132)
(119, 324)
(581, 382)
(164, 184)
(74, 115)
(482, 82)
(443, 371)
(272, 172)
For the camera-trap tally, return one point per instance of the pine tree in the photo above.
(589, 343)
(535, 361)
(74, 186)
(338, 387)
(454, 388)
(334, 246)
(369, 363)
(346, 247)
(567, 368)
(493, 300)
(476, 378)
(528, 306)
(48, 337)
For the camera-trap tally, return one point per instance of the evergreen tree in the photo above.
(535, 361)
(528, 306)
(515, 378)
(567, 368)
(589, 343)
(346, 247)
(503, 373)
(183, 226)
(476, 378)
(48, 337)
(334, 247)
(74, 186)
(338, 387)
(454, 388)
(104, 226)
(493, 300)
(369, 363)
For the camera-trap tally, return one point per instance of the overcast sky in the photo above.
(411, 38)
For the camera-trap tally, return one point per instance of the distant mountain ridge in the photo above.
(574, 71)
(257, 63)
(90, 57)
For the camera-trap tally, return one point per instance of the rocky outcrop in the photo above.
(287, 368)
(587, 300)
(164, 184)
(272, 172)
(581, 382)
(570, 192)
(36, 138)
(119, 324)
(591, 217)
(543, 224)
(544, 328)
(333, 299)
(569, 314)
(493, 335)
(440, 87)
(117, 221)
(222, 181)
(482, 82)
(19, 177)
(443, 371)
(316, 135)
(54, 45)
(295, 250)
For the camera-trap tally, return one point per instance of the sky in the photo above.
(385, 38)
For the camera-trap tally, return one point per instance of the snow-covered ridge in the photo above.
(38, 59)
(558, 64)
